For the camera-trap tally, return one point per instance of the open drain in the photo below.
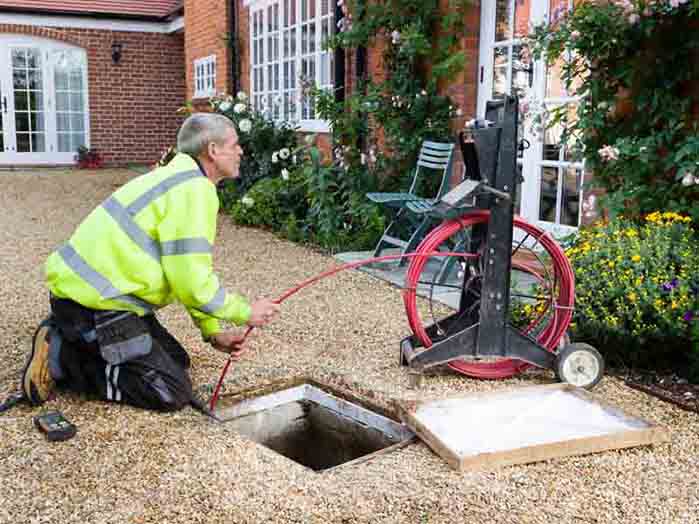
(314, 428)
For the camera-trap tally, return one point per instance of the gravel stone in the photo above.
(131, 466)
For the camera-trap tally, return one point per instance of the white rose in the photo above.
(275, 158)
(224, 106)
(247, 201)
(239, 108)
(242, 96)
(284, 153)
(688, 180)
(285, 174)
(245, 125)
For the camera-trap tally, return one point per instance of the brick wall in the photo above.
(133, 103)
(207, 32)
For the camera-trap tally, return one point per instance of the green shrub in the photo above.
(637, 287)
(268, 146)
(272, 203)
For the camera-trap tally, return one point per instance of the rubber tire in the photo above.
(564, 353)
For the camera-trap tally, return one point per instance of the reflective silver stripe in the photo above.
(115, 381)
(75, 262)
(216, 303)
(160, 189)
(185, 246)
(109, 383)
(131, 228)
(103, 286)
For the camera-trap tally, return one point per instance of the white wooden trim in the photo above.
(86, 22)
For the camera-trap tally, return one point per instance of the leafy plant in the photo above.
(399, 112)
(637, 289)
(268, 146)
(636, 123)
(88, 158)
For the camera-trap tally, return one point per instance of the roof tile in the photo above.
(135, 8)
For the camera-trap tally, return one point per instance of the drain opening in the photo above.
(315, 429)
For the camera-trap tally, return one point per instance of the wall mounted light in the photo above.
(116, 52)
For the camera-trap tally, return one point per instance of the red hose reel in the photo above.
(560, 306)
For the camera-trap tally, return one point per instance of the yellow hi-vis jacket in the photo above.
(148, 245)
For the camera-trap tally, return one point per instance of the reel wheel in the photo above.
(580, 365)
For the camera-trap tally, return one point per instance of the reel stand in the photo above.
(480, 339)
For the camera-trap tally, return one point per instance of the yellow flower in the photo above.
(636, 258)
(632, 297)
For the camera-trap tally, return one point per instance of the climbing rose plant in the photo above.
(637, 124)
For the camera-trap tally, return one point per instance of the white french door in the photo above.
(551, 193)
(43, 101)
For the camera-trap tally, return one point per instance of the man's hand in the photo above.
(229, 342)
(263, 311)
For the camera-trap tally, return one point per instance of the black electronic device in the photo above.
(55, 425)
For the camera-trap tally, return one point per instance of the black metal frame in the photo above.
(486, 333)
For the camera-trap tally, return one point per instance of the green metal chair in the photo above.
(407, 228)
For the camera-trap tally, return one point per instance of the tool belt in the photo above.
(119, 336)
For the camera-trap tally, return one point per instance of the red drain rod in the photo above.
(548, 338)
(312, 280)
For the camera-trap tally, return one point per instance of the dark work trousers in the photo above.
(158, 380)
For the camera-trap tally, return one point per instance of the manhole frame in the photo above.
(234, 398)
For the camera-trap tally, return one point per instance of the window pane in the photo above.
(502, 20)
(19, 58)
(76, 80)
(324, 7)
(61, 79)
(64, 143)
(36, 101)
(500, 65)
(33, 59)
(23, 143)
(77, 140)
(77, 121)
(570, 198)
(62, 102)
(522, 70)
(21, 101)
(37, 122)
(76, 102)
(62, 121)
(21, 121)
(549, 187)
(38, 142)
(34, 78)
(19, 79)
(312, 37)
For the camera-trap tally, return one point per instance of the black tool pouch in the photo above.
(122, 336)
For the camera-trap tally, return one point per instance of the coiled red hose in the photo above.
(549, 337)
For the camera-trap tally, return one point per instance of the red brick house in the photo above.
(110, 75)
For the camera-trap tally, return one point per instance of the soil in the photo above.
(669, 387)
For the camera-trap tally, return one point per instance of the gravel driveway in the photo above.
(132, 466)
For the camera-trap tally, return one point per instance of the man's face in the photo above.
(226, 156)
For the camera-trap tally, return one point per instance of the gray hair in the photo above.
(200, 129)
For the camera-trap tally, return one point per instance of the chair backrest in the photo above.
(434, 156)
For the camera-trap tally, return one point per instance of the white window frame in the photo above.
(275, 73)
(205, 77)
